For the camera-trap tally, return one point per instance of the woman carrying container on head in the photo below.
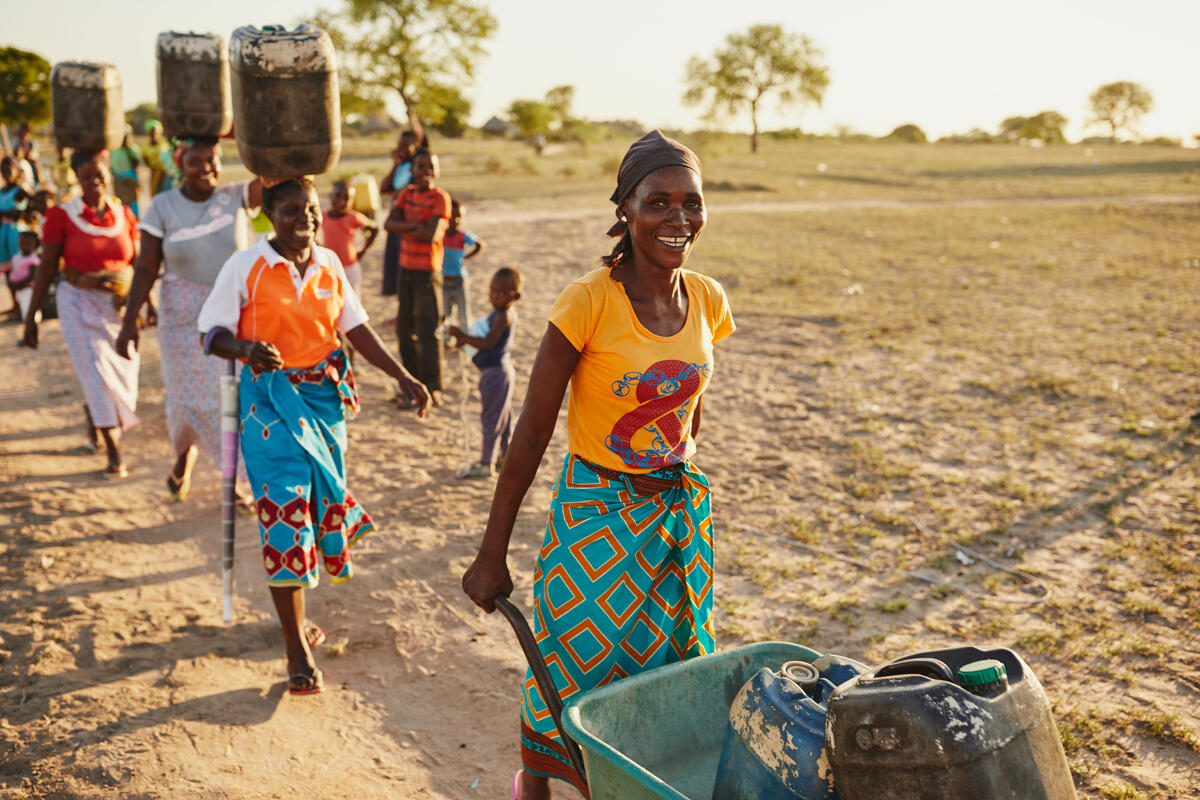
(187, 234)
(278, 306)
(96, 238)
(624, 577)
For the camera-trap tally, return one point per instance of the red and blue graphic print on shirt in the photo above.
(652, 436)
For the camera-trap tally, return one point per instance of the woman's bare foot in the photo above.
(179, 482)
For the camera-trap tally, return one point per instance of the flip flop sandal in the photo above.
(115, 473)
(177, 489)
(301, 684)
(314, 636)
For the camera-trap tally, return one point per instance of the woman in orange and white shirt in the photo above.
(278, 306)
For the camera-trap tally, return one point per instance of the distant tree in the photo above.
(416, 48)
(1163, 141)
(973, 136)
(1120, 105)
(446, 109)
(561, 98)
(531, 116)
(1045, 126)
(908, 133)
(24, 88)
(761, 60)
(1011, 127)
(137, 116)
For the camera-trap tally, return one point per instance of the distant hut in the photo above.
(498, 127)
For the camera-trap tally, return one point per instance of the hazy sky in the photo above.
(947, 65)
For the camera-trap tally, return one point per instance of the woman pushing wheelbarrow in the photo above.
(623, 581)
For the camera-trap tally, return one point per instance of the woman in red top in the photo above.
(95, 237)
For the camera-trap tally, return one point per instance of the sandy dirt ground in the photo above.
(119, 680)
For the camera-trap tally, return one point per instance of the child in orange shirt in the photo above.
(338, 226)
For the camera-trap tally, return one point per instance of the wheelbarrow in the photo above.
(655, 735)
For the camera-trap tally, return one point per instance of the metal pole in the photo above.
(229, 456)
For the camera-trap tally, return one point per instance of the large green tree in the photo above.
(24, 88)
(752, 64)
(423, 50)
(1120, 105)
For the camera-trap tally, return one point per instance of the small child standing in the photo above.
(496, 375)
(24, 264)
(460, 245)
(337, 231)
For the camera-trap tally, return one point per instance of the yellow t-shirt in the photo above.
(633, 392)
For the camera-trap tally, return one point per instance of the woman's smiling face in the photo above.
(296, 215)
(201, 167)
(94, 180)
(665, 214)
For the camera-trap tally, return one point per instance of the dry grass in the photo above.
(1014, 377)
(570, 175)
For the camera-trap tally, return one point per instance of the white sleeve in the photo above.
(353, 314)
(152, 221)
(223, 308)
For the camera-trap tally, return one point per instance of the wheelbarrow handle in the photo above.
(542, 675)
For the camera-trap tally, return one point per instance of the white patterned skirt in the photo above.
(90, 326)
(192, 380)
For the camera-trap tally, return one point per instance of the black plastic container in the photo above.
(193, 85)
(287, 115)
(940, 725)
(85, 103)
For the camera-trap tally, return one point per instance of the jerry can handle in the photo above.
(928, 667)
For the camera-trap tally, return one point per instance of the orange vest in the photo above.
(304, 328)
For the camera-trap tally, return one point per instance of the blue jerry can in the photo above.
(774, 745)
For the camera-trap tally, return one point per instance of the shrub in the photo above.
(908, 133)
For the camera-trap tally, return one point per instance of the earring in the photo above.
(623, 218)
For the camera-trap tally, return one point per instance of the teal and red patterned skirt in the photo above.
(623, 584)
(293, 437)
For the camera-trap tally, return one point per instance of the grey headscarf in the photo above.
(649, 153)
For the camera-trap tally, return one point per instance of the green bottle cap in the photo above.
(980, 672)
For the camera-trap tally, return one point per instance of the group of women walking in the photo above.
(626, 559)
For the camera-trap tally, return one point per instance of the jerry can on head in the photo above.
(774, 746)
(193, 85)
(287, 113)
(947, 725)
(85, 102)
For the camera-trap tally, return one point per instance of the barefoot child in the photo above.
(338, 226)
(496, 375)
(460, 245)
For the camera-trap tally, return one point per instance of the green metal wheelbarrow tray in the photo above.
(657, 734)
